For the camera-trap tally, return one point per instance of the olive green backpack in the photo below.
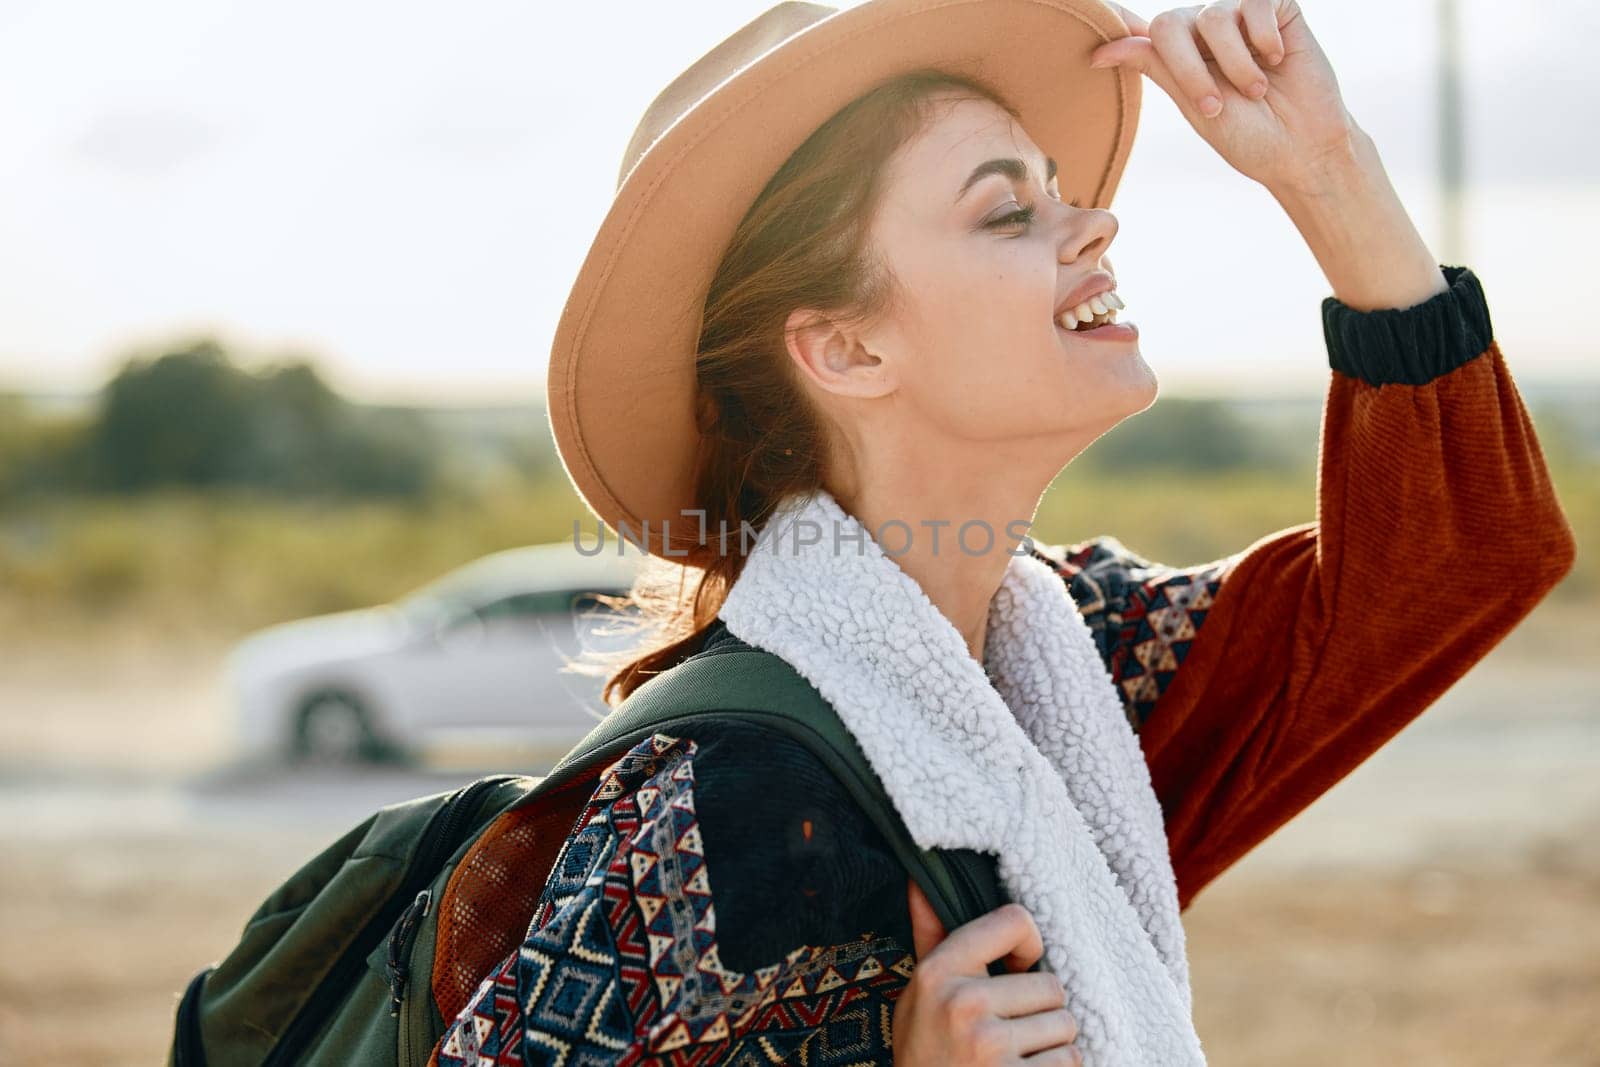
(345, 962)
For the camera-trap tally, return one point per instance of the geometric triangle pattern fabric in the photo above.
(1143, 615)
(621, 966)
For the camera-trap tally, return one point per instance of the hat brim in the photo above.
(621, 385)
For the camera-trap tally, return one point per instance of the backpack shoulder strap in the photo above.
(757, 686)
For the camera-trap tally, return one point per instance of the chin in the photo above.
(1127, 399)
(1152, 389)
(1142, 391)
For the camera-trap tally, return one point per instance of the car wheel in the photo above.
(332, 726)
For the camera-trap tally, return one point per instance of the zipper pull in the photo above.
(400, 943)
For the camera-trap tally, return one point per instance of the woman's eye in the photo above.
(1020, 217)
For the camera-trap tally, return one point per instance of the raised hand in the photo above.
(1284, 124)
(1249, 77)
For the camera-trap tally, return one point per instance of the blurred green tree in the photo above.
(192, 417)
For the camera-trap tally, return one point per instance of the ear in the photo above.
(835, 357)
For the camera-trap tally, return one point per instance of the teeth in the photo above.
(1096, 311)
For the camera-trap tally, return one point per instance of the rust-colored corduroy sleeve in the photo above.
(1326, 638)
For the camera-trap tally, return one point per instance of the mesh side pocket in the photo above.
(489, 899)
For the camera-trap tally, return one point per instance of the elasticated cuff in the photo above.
(1414, 345)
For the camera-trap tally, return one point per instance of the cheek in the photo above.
(981, 373)
(984, 348)
(986, 318)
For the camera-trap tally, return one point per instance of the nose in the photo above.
(1086, 232)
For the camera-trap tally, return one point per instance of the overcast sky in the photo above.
(406, 190)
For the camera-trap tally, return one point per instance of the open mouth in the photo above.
(1096, 311)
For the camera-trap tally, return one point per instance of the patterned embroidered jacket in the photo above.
(721, 901)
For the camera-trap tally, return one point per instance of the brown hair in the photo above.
(802, 244)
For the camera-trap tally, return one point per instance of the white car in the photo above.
(476, 652)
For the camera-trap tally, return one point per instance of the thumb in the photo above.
(926, 929)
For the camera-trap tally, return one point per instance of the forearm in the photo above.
(1355, 225)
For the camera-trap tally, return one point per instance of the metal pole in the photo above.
(1452, 166)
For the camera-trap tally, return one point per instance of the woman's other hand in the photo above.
(1277, 122)
(954, 1011)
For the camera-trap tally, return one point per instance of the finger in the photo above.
(1044, 1030)
(1139, 53)
(1113, 52)
(1173, 34)
(1013, 995)
(926, 929)
(1218, 24)
(1261, 26)
(1008, 932)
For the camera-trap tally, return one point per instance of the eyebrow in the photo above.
(1013, 168)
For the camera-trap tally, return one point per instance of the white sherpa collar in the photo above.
(1039, 767)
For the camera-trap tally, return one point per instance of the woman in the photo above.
(842, 285)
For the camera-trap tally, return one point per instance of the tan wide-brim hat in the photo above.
(621, 392)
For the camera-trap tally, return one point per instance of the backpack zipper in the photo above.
(406, 1002)
(400, 940)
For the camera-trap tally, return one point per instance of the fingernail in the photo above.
(1275, 58)
(1210, 107)
(1098, 62)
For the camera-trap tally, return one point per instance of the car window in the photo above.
(588, 603)
(556, 601)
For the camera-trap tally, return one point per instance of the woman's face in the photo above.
(971, 349)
